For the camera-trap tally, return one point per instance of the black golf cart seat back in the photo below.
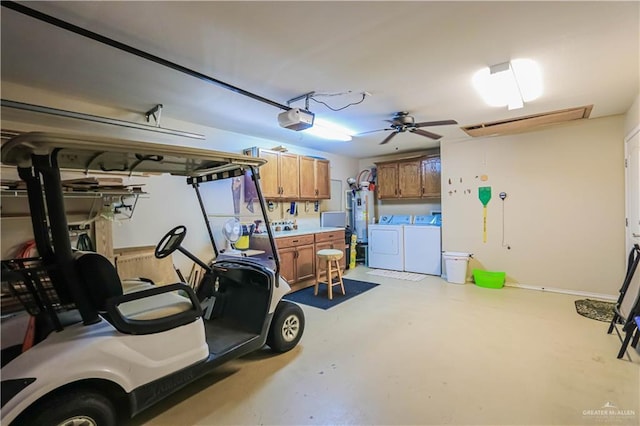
(99, 277)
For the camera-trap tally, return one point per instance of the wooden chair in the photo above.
(627, 306)
(332, 258)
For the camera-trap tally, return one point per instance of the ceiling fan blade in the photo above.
(425, 133)
(373, 131)
(388, 138)
(435, 123)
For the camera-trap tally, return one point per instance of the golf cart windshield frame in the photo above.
(254, 175)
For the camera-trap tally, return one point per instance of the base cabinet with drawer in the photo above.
(297, 257)
(331, 240)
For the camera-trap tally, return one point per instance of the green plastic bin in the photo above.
(489, 279)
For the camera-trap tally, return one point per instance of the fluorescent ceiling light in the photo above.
(327, 130)
(510, 83)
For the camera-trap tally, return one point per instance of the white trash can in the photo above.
(455, 264)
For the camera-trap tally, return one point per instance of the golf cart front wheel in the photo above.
(81, 407)
(287, 327)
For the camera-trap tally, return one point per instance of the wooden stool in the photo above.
(332, 257)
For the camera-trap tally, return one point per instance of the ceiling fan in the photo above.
(403, 122)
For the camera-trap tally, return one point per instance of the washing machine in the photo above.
(423, 245)
(386, 242)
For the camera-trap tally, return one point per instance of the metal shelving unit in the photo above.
(123, 202)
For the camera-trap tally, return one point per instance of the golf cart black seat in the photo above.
(145, 310)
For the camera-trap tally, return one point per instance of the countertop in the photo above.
(301, 231)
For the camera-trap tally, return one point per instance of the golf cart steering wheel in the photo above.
(170, 242)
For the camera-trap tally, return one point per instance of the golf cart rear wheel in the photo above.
(80, 407)
(286, 327)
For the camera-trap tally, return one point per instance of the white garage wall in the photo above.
(564, 212)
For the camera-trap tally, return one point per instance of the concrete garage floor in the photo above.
(425, 352)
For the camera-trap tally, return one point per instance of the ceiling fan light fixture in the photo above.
(509, 84)
(326, 129)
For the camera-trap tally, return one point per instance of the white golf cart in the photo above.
(103, 349)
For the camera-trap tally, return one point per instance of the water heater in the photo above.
(362, 211)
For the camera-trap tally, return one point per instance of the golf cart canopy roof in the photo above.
(91, 153)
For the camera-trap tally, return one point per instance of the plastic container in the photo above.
(489, 279)
(455, 264)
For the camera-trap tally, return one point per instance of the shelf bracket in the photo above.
(152, 113)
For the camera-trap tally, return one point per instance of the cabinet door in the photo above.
(323, 186)
(305, 262)
(387, 181)
(409, 182)
(288, 264)
(307, 178)
(269, 174)
(431, 176)
(339, 245)
(289, 169)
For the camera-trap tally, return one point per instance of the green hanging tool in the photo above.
(484, 193)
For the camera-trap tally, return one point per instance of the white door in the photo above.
(632, 163)
(632, 185)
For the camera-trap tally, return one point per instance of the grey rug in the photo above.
(595, 309)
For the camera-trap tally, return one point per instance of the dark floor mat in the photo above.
(595, 309)
(352, 288)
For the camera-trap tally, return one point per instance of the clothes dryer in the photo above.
(386, 242)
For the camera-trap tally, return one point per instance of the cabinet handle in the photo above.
(295, 241)
(422, 190)
(635, 235)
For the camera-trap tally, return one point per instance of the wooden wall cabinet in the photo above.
(288, 176)
(387, 186)
(279, 177)
(314, 179)
(409, 178)
(431, 177)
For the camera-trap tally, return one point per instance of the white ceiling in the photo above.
(411, 56)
